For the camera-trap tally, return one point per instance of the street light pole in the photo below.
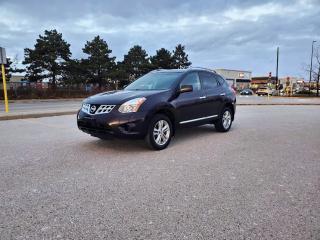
(277, 77)
(311, 66)
(318, 81)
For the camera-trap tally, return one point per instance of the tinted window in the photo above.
(155, 81)
(221, 80)
(192, 79)
(208, 80)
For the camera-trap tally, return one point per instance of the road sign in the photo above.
(3, 57)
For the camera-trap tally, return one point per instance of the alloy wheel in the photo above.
(161, 132)
(226, 119)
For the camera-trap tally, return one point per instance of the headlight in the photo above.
(85, 107)
(132, 105)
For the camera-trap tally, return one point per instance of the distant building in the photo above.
(15, 81)
(16, 78)
(292, 80)
(258, 82)
(238, 78)
(264, 81)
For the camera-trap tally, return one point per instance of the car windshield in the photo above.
(155, 81)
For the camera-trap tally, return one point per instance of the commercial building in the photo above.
(240, 79)
(264, 81)
(291, 80)
(15, 81)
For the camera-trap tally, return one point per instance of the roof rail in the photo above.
(202, 68)
(158, 69)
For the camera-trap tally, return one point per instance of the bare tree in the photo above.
(316, 69)
(315, 73)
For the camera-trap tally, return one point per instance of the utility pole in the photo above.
(318, 81)
(277, 77)
(310, 76)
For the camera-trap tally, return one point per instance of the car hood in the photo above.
(120, 96)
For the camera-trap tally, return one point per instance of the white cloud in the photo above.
(254, 13)
(235, 33)
(12, 20)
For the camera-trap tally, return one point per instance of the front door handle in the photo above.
(222, 94)
(203, 97)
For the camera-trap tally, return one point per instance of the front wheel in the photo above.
(223, 124)
(159, 132)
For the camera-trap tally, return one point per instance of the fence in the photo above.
(23, 90)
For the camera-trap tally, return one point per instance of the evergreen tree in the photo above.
(48, 58)
(136, 62)
(120, 74)
(180, 58)
(74, 72)
(99, 64)
(11, 67)
(162, 60)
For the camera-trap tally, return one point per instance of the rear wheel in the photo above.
(159, 132)
(223, 124)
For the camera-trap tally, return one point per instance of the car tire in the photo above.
(223, 124)
(159, 132)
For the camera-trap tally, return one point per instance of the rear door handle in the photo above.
(222, 94)
(203, 97)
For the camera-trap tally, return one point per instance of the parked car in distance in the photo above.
(264, 91)
(156, 104)
(246, 91)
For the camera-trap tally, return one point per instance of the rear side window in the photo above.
(192, 79)
(221, 81)
(208, 80)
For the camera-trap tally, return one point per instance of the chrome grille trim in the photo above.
(102, 109)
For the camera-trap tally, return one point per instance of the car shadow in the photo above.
(138, 145)
(192, 133)
(117, 145)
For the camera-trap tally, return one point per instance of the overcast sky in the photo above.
(235, 34)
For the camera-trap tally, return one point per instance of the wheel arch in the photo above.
(231, 106)
(168, 113)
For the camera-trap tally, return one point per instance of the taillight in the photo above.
(232, 90)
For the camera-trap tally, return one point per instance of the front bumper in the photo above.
(113, 124)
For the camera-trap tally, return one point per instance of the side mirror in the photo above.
(186, 88)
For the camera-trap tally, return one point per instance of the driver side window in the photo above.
(192, 79)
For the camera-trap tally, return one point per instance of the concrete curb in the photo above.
(61, 113)
(43, 100)
(35, 115)
(278, 104)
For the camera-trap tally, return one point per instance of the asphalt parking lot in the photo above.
(261, 180)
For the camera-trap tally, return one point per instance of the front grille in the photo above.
(91, 126)
(94, 109)
(95, 130)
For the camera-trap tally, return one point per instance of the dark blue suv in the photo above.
(156, 104)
